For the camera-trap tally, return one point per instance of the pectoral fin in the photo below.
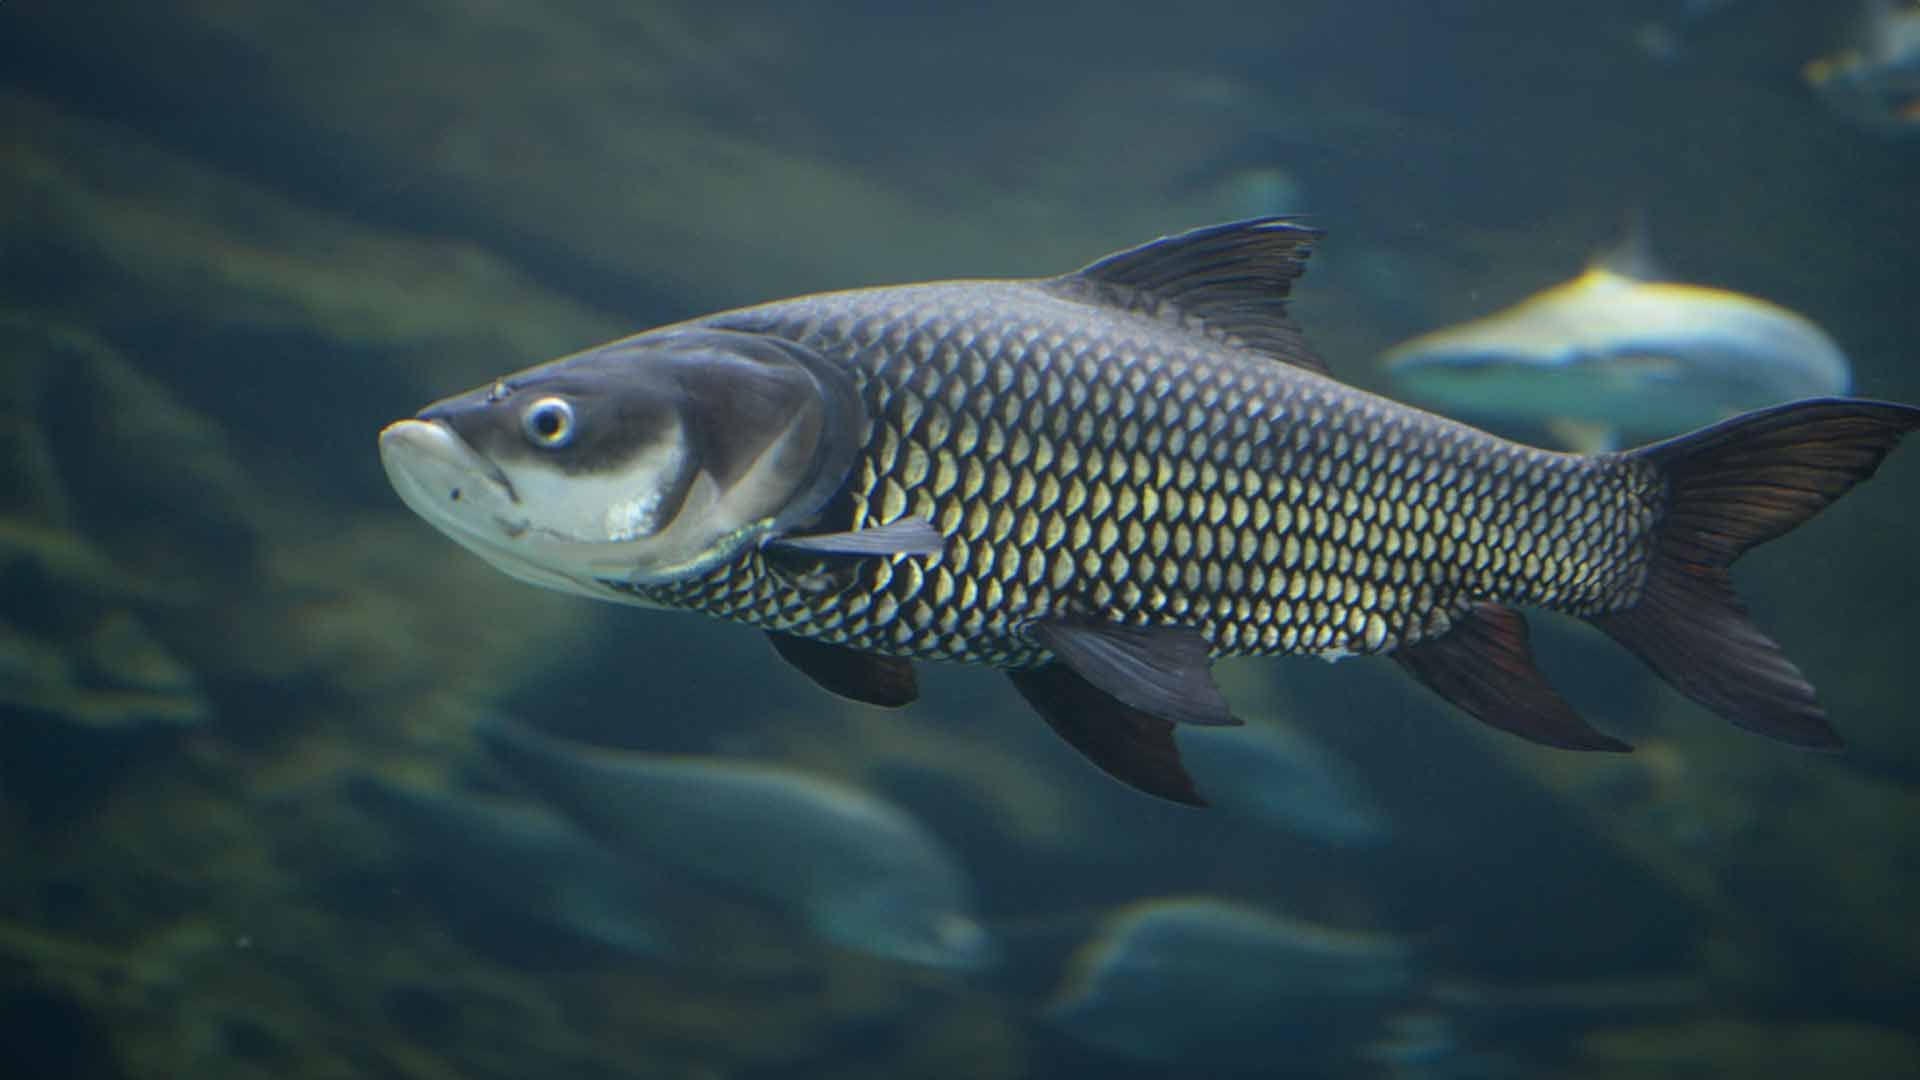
(886, 681)
(1485, 666)
(1129, 745)
(1163, 671)
(908, 536)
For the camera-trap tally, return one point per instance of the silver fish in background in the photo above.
(1618, 351)
(1098, 482)
(1278, 778)
(1205, 981)
(1874, 81)
(1671, 36)
(522, 861)
(857, 871)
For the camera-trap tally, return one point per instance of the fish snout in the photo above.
(438, 475)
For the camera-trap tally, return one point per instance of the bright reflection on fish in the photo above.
(1614, 353)
(1278, 777)
(519, 860)
(859, 872)
(1206, 982)
(1874, 81)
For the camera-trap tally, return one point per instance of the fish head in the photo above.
(886, 920)
(645, 461)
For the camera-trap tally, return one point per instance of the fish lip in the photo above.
(407, 444)
(423, 456)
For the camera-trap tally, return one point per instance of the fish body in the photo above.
(1099, 482)
(1279, 778)
(1613, 351)
(522, 861)
(856, 870)
(1063, 482)
(1875, 81)
(1208, 980)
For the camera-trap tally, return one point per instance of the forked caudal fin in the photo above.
(1730, 487)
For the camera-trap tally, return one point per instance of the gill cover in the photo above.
(660, 456)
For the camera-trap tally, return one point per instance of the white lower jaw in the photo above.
(440, 478)
(427, 463)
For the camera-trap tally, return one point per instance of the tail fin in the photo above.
(1730, 487)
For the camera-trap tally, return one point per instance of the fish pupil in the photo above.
(549, 422)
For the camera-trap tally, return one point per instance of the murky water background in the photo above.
(248, 829)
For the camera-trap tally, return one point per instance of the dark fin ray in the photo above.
(886, 681)
(1485, 666)
(1129, 745)
(1729, 487)
(1164, 671)
(1230, 282)
(908, 536)
(1757, 476)
(1694, 632)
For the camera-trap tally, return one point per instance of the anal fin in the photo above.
(886, 681)
(1485, 666)
(1133, 747)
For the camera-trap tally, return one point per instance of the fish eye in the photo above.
(549, 422)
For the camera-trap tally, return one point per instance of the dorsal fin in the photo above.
(1631, 256)
(1229, 282)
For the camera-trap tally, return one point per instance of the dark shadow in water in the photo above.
(51, 1038)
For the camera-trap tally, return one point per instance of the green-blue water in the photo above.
(248, 828)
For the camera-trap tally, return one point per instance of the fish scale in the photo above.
(1110, 468)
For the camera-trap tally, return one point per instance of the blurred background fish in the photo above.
(1669, 36)
(1874, 80)
(1204, 982)
(1279, 777)
(519, 861)
(1620, 355)
(856, 870)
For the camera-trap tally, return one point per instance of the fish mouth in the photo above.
(444, 480)
(457, 490)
